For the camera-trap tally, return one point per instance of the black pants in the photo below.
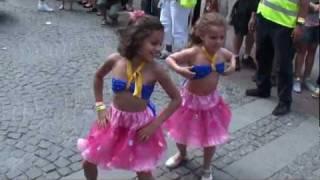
(274, 41)
(151, 7)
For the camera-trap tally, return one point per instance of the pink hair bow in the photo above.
(136, 14)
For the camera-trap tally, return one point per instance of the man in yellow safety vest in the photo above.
(279, 25)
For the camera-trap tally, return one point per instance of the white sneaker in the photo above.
(174, 161)
(44, 7)
(207, 174)
(297, 85)
(316, 93)
(309, 85)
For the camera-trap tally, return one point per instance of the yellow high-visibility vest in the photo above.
(283, 12)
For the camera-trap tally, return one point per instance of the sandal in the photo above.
(88, 5)
(92, 10)
(104, 22)
(99, 13)
(82, 2)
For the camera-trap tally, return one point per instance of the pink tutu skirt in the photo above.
(200, 121)
(118, 147)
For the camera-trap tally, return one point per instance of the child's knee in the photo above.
(88, 165)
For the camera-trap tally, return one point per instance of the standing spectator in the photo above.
(109, 9)
(151, 7)
(306, 50)
(240, 16)
(174, 18)
(43, 6)
(279, 25)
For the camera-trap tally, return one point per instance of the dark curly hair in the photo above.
(132, 36)
(202, 25)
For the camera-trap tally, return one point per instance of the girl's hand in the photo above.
(145, 133)
(186, 72)
(102, 118)
(230, 69)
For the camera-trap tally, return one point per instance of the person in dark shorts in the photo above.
(306, 50)
(240, 17)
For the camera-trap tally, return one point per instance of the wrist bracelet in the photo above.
(100, 107)
(98, 103)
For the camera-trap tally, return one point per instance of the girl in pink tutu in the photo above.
(203, 118)
(127, 135)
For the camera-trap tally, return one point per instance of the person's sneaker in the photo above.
(316, 93)
(44, 7)
(207, 174)
(297, 85)
(175, 161)
(238, 66)
(257, 93)
(281, 109)
(309, 85)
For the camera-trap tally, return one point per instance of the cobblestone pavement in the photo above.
(47, 61)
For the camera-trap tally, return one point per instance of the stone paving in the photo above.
(46, 97)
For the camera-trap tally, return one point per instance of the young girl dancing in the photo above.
(203, 118)
(128, 135)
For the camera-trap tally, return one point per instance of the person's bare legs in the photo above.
(208, 153)
(249, 43)
(90, 170)
(309, 61)
(237, 43)
(311, 51)
(299, 62)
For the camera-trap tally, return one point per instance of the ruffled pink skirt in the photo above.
(200, 121)
(117, 146)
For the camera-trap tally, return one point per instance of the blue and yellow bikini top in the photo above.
(134, 83)
(204, 70)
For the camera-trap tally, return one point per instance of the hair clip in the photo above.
(136, 14)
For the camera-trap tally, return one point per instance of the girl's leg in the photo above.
(145, 176)
(90, 170)
(182, 150)
(207, 156)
